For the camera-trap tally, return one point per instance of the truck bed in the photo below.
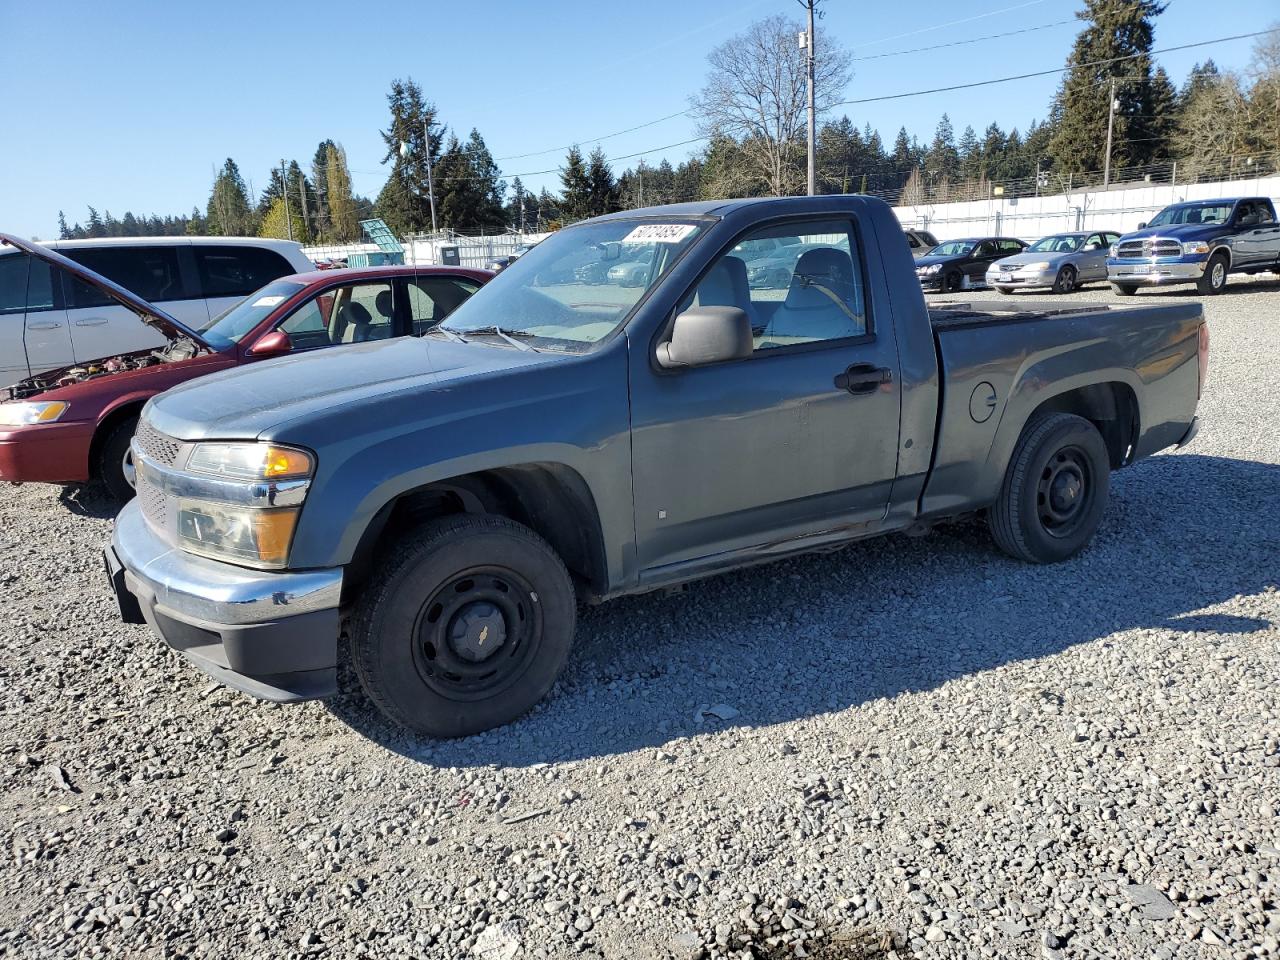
(960, 314)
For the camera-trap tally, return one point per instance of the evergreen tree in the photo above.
(94, 227)
(970, 155)
(344, 226)
(195, 225)
(1114, 28)
(404, 200)
(942, 161)
(320, 188)
(468, 191)
(129, 226)
(549, 215)
(228, 212)
(64, 232)
(602, 188)
(686, 184)
(575, 192)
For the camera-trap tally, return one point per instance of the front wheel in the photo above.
(1004, 290)
(1065, 282)
(1054, 491)
(952, 282)
(464, 626)
(1124, 289)
(1214, 278)
(115, 460)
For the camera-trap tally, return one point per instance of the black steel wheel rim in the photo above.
(477, 633)
(1063, 492)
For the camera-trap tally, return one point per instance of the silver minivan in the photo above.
(50, 320)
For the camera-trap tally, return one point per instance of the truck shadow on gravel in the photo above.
(826, 633)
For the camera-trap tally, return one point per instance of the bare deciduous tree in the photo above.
(756, 95)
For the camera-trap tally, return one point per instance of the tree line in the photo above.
(751, 116)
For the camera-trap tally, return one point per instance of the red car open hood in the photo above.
(148, 312)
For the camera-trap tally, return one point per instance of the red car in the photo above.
(74, 425)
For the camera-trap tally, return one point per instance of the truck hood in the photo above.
(1183, 232)
(244, 402)
(148, 312)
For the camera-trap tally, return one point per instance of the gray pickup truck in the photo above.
(446, 501)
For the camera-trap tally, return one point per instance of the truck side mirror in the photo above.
(1142, 225)
(703, 335)
(273, 344)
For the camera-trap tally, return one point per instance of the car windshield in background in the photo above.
(574, 288)
(952, 248)
(1063, 244)
(1192, 213)
(231, 326)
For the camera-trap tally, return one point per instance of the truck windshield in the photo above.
(1185, 213)
(952, 248)
(1063, 244)
(574, 288)
(232, 325)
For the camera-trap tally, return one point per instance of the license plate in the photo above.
(1004, 277)
(1139, 270)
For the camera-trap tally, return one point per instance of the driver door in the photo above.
(984, 254)
(772, 447)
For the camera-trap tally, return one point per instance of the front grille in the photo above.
(1150, 248)
(152, 501)
(155, 445)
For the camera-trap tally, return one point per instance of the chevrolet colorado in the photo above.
(444, 502)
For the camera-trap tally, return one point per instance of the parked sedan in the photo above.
(1063, 262)
(75, 424)
(962, 264)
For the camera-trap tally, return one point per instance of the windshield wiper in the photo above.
(510, 337)
(456, 337)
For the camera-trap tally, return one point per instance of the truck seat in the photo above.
(823, 302)
(725, 285)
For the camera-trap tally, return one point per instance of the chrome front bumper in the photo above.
(1155, 273)
(1037, 278)
(271, 634)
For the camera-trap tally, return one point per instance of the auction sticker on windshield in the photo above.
(268, 301)
(659, 233)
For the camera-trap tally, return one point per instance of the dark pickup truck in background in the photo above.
(1198, 242)
(447, 500)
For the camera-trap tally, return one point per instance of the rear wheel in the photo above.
(1214, 277)
(1066, 280)
(1124, 289)
(115, 460)
(464, 626)
(1054, 492)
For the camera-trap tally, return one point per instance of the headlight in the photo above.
(21, 414)
(1114, 250)
(248, 513)
(930, 270)
(251, 461)
(1194, 247)
(246, 534)
(1038, 265)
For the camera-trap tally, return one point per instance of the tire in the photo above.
(1124, 289)
(952, 282)
(1004, 290)
(1065, 281)
(1214, 278)
(113, 469)
(417, 632)
(1055, 490)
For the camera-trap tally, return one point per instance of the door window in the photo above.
(237, 271)
(431, 299)
(351, 314)
(150, 272)
(809, 289)
(13, 283)
(985, 249)
(1010, 246)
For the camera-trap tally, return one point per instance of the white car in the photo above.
(49, 320)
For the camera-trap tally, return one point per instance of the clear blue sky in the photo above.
(131, 105)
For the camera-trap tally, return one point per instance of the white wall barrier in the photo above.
(1117, 208)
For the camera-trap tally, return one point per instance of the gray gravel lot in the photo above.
(911, 748)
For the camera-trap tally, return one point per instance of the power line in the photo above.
(607, 136)
(961, 43)
(954, 23)
(1046, 73)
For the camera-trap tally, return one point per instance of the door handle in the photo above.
(44, 325)
(91, 322)
(863, 378)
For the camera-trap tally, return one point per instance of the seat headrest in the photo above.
(725, 285)
(826, 267)
(384, 303)
(357, 313)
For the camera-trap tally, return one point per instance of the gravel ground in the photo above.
(910, 748)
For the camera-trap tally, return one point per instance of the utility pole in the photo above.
(284, 192)
(807, 43)
(431, 190)
(1111, 121)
